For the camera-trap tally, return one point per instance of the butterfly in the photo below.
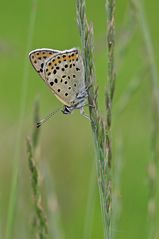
(63, 72)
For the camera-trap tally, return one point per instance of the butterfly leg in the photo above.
(87, 104)
(83, 113)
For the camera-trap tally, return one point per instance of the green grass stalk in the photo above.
(101, 127)
(14, 184)
(110, 7)
(117, 204)
(40, 225)
(141, 18)
(154, 79)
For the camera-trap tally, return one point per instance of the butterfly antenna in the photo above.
(39, 123)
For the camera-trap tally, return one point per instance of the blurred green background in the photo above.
(66, 150)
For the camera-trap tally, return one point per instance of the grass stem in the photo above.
(101, 127)
(40, 224)
(14, 185)
(154, 79)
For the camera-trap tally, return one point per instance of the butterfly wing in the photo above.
(64, 74)
(39, 57)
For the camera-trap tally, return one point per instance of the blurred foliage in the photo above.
(66, 141)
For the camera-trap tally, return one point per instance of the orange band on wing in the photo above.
(59, 59)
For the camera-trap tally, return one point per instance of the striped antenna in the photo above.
(38, 124)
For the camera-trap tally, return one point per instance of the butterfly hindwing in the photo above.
(39, 57)
(64, 74)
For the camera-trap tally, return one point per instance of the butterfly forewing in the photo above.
(64, 74)
(39, 57)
